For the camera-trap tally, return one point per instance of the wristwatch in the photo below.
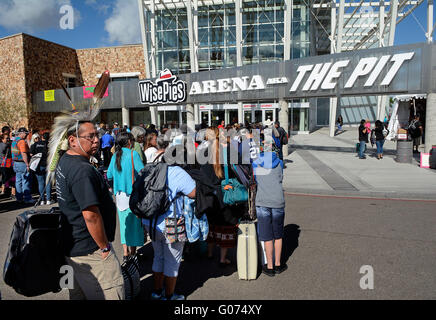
(106, 249)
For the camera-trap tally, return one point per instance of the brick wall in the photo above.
(12, 84)
(115, 59)
(29, 64)
(45, 62)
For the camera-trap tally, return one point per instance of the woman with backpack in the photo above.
(380, 134)
(166, 229)
(123, 169)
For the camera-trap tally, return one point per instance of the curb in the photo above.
(375, 195)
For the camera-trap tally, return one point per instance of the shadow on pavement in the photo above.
(290, 241)
(194, 271)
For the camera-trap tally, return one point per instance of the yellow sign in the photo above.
(49, 95)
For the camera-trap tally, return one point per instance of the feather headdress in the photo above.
(69, 120)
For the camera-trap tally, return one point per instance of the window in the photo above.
(69, 80)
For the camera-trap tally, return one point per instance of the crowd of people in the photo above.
(92, 193)
(24, 161)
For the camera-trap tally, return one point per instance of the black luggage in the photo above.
(433, 158)
(35, 253)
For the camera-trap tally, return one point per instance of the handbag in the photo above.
(6, 162)
(175, 230)
(196, 228)
(233, 191)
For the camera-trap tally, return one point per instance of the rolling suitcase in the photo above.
(247, 251)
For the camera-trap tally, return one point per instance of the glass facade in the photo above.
(262, 34)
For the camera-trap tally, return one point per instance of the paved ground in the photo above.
(319, 164)
(347, 222)
(327, 241)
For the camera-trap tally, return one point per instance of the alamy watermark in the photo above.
(367, 281)
(67, 280)
(244, 146)
(67, 20)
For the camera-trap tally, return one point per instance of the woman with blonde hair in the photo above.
(222, 218)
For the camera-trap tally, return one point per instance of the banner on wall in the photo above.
(88, 92)
(49, 95)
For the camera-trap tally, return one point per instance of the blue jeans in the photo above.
(379, 145)
(362, 149)
(41, 174)
(23, 182)
(270, 223)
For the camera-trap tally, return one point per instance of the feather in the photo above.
(67, 121)
(68, 97)
(102, 84)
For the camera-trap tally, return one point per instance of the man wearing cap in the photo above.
(115, 130)
(21, 159)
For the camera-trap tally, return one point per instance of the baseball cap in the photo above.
(22, 129)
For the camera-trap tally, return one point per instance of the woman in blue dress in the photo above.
(123, 169)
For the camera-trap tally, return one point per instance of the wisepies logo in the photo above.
(166, 89)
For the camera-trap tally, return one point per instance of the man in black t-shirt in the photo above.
(85, 201)
(363, 139)
(416, 131)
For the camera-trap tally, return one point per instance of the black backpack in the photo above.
(35, 253)
(149, 197)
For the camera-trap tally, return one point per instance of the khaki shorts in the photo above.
(97, 279)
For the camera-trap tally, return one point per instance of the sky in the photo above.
(102, 23)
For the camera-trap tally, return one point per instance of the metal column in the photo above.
(193, 34)
(144, 38)
(430, 120)
(334, 101)
(429, 21)
(288, 29)
(394, 13)
(238, 14)
(381, 100)
(153, 110)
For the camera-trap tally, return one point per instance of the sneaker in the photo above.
(42, 203)
(268, 272)
(279, 269)
(158, 296)
(174, 297)
(48, 202)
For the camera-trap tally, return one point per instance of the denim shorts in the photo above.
(270, 223)
(167, 256)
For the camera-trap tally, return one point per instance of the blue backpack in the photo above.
(196, 229)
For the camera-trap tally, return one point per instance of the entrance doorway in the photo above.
(217, 117)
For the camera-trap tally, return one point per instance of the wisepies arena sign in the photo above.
(166, 89)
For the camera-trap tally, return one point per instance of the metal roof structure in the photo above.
(355, 24)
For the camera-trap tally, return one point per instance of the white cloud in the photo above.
(123, 25)
(102, 6)
(32, 15)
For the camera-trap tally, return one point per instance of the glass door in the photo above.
(205, 117)
(217, 117)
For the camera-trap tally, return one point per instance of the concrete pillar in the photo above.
(190, 116)
(153, 113)
(125, 116)
(430, 122)
(197, 118)
(333, 108)
(284, 123)
(240, 113)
